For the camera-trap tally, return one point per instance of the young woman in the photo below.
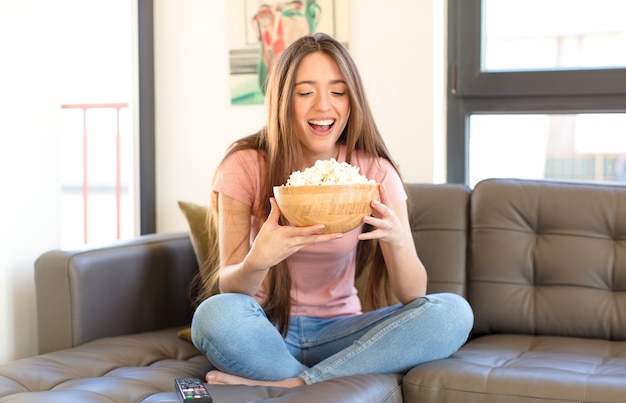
(288, 312)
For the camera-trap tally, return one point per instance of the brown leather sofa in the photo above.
(542, 263)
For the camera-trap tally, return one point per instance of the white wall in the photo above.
(398, 45)
(29, 176)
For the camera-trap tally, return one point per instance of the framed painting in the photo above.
(260, 30)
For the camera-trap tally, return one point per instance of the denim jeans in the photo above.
(235, 335)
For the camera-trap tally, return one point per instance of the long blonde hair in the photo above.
(281, 150)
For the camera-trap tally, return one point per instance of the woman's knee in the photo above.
(223, 303)
(221, 311)
(456, 313)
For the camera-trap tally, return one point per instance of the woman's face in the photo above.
(321, 106)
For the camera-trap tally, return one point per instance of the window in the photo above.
(553, 34)
(101, 157)
(537, 89)
(97, 141)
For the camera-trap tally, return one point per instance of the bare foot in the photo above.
(221, 378)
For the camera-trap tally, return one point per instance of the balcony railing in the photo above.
(95, 176)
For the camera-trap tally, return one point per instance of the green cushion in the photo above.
(196, 219)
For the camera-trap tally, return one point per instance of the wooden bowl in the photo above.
(340, 208)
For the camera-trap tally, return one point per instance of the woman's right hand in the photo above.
(275, 243)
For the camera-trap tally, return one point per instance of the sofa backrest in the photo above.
(548, 258)
(439, 217)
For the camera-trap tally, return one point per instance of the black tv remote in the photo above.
(191, 390)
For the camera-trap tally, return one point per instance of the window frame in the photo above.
(471, 90)
(147, 156)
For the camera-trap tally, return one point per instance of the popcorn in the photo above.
(327, 172)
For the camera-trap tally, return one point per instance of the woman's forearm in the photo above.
(242, 278)
(407, 275)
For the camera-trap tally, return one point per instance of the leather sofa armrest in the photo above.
(124, 288)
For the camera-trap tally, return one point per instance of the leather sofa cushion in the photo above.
(142, 368)
(548, 258)
(523, 368)
(121, 369)
(357, 388)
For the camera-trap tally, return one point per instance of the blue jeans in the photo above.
(235, 335)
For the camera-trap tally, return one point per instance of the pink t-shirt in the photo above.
(322, 274)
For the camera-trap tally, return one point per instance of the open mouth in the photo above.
(322, 125)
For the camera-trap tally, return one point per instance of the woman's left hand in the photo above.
(387, 226)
